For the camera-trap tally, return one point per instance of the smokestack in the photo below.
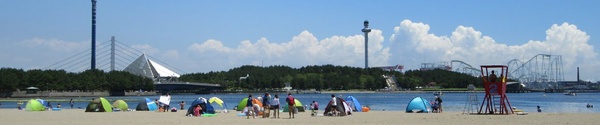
(577, 75)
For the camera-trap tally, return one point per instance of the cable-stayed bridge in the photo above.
(114, 55)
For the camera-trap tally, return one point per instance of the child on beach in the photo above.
(19, 105)
(249, 107)
(314, 108)
(72, 103)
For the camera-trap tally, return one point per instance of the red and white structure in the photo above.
(495, 100)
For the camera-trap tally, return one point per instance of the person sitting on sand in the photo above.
(19, 105)
(197, 110)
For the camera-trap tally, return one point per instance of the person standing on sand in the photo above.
(266, 105)
(249, 107)
(275, 104)
(49, 106)
(439, 102)
(166, 106)
(334, 105)
(291, 102)
(72, 103)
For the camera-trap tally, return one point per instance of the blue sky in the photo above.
(203, 36)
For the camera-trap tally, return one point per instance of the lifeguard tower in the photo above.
(494, 82)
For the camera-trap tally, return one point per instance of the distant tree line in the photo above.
(90, 80)
(324, 77)
(438, 77)
(327, 77)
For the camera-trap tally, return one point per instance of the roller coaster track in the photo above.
(539, 72)
(464, 67)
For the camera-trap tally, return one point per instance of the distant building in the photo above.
(288, 86)
(145, 67)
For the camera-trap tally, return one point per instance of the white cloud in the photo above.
(413, 44)
(55, 44)
(145, 48)
(304, 49)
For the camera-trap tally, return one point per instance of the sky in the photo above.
(218, 35)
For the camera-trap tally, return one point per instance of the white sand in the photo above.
(79, 117)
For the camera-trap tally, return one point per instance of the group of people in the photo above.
(269, 103)
(48, 105)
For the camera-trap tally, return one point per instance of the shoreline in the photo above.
(75, 95)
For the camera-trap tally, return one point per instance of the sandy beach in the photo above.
(79, 117)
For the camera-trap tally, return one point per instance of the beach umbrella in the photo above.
(120, 104)
(34, 105)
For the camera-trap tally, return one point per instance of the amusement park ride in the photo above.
(495, 100)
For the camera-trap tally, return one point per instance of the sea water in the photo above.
(452, 102)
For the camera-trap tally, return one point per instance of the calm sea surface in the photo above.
(454, 102)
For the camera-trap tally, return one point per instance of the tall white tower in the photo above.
(366, 30)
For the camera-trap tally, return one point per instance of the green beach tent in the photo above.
(120, 104)
(99, 105)
(34, 105)
(242, 103)
(297, 104)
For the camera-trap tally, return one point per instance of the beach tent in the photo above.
(242, 103)
(99, 105)
(146, 105)
(342, 107)
(297, 105)
(218, 101)
(35, 105)
(353, 104)
(204, 104)
(120, 104)
(418, 105)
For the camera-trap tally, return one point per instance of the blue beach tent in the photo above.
(354, 104)
(204, 104)
(418, 105)
(146, 105)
